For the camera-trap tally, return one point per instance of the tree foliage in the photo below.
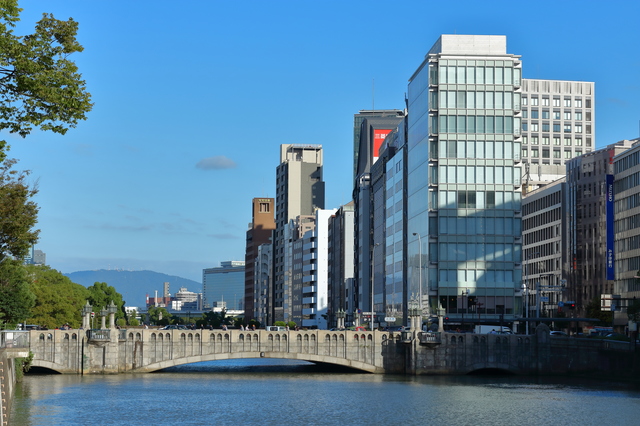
(40, 87)
(158, 315)
(18, 213)
(593, 310)
(101, 295)
(58, 299)
(16, 298)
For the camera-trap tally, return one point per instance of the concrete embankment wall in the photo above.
(7, 383)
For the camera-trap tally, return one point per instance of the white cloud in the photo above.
(218, 162)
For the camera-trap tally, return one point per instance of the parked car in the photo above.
(558, 333)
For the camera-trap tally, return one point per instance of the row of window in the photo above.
(477, 99)
(460, 74)
(626, 162)
(474, 124)
(626, 203)
(555, 115)
(502, 200)
(476, 149)
(478, 174)
(557, 101)
(546, 153)
(546, 127)
(470, 225)
(627, 182)
(545, 140)
(469, 252)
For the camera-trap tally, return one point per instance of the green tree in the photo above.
(593, 310)
(101, 295)
(16, 298)
(39, 85)
(58, 299)
(158, 315)
(18, 214)
(215, 319)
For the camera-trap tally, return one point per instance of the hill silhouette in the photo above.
(135, 285)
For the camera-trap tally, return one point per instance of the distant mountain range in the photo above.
(135, 285)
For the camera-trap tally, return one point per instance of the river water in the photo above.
(279, 392)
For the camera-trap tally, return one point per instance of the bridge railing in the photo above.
(431, 337)
(14, 339)
(99, 334)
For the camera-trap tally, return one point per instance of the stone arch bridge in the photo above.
(113, 351)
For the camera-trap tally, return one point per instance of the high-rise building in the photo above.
(558, 124)
(224, 285)
(463, 189)
(374, 126)
(627, 226)
(263, 277)
(260, 232)
(299, 191)
(590, 212)
(340, 263)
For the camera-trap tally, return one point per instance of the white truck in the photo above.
(492, 329)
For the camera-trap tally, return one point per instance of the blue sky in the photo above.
(193, 99)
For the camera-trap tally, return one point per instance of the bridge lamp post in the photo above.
(464, 293)
(112, 309)
(525, 297)
(373, 263)
(419, 274)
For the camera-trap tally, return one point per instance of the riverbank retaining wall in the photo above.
(7, 384)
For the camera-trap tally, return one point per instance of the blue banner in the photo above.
(610, 240)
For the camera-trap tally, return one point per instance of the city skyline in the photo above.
(139, 184)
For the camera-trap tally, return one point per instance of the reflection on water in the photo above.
(275, 392)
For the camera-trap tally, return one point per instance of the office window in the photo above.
(545, 114)
(556, 127)
(578, 153)
(524, 152)
(578, 103)
(545, 140)
(534, 101)
(524, 126)
(524, 100)
(534, 140)
(578, 141)
(556, 140)
(578, 128)
(525, 140)
(545, 127)
(587, 103)
(567, 154)
(525, 113)
(556, 154)
(545, 101)
(567, 102)
(556, 102)
(578, 116)
(567, 141)
(534, 113)
(556, 115)
(534, 152)
(545, 153)
(534, 127)
(567, 115)
(264, 207)
(567, 128)
(589, 142)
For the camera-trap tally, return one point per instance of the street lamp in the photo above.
(373, 256)
(464, 293)
(525, 297)
(420, 274)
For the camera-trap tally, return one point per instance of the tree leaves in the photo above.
(39, 86)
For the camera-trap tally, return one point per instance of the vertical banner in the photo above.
(610, 239)
(378, 137)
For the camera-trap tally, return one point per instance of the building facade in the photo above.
(260, 232)
(299, 191)
(224, 285)
(627, 226)
(590, 239)
(341, 264)
(558, 124)
(464, 195)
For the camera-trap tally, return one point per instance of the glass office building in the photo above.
(463, 179)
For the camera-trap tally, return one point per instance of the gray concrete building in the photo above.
(341, 264)
(590, 238)
(263, 272)
(627, 227)
(558, 124)
(300, 191)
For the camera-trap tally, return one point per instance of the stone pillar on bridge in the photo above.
(86, 316)
(103, 314)
(356, 318)
(441, 313)
(112, 309)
